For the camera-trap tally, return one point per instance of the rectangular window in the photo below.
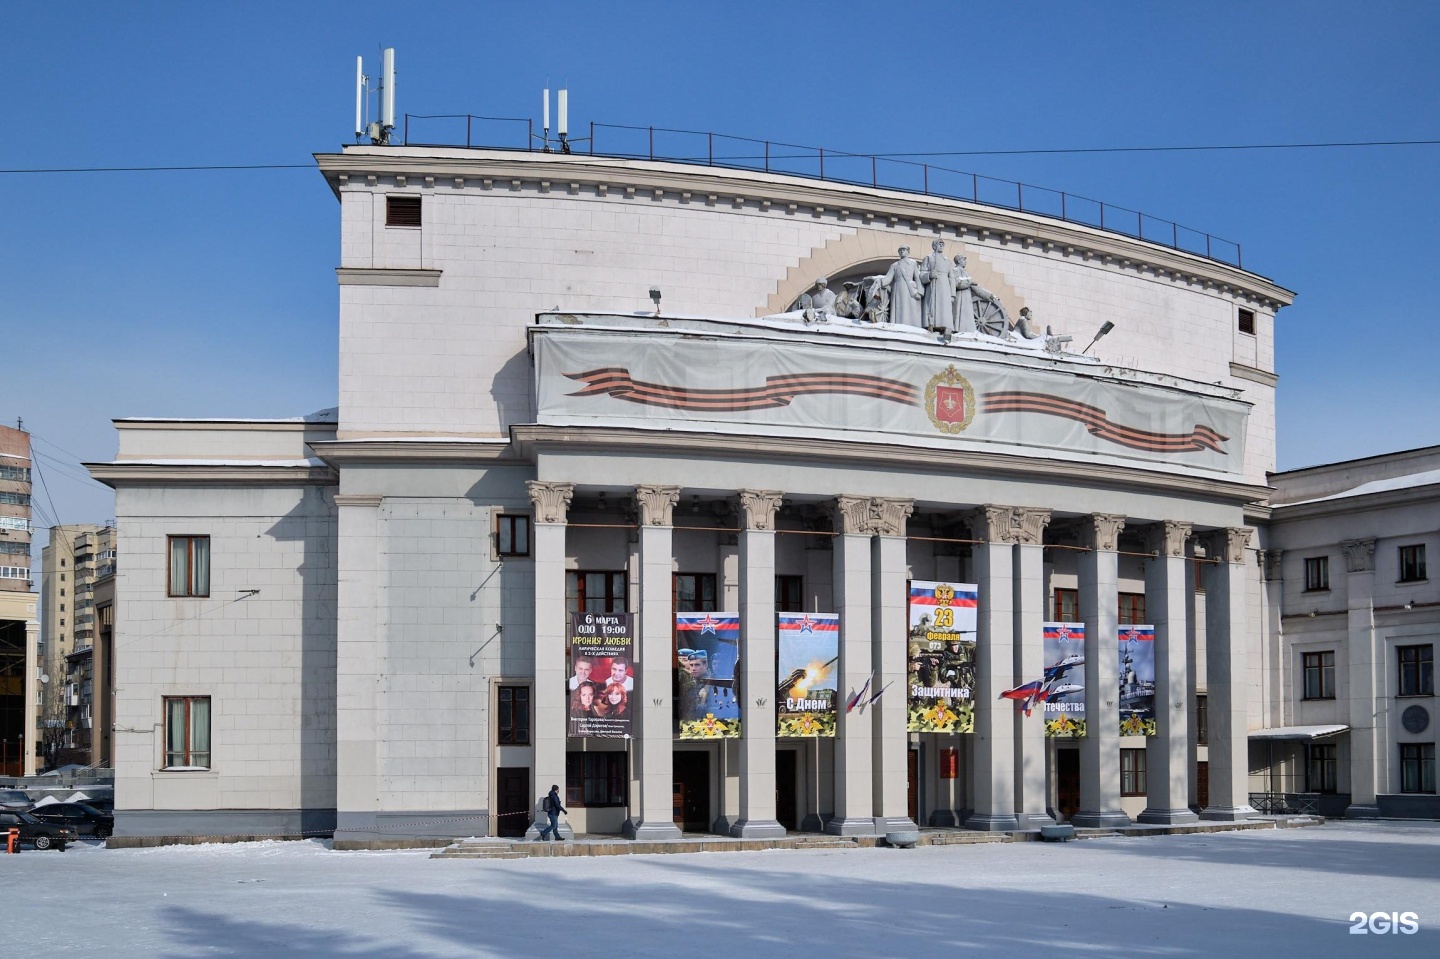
(1412, 563)
(790, 594)
(695, 593)
(1132, 609)
(189, 566)
(1202, 720)
(514, 719)
(402, 211)
(1319, 669)
(1132, 772)
(1246, 321)
(1067, 606)
(595, 779)
(1417, 670)
(588, 591)
(1317, 574)
(512, 534)
(1417, 767)
(1321, 769)
(187, 732)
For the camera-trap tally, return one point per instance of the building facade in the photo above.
(77, 556)
(587, 385)
(19, 626)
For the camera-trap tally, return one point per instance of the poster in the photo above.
(602, 675)
(807, 657)
(941, 668)
(707, 652)
(1064, 651)
(1137, 680)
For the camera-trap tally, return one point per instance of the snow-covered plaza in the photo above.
(1287, 892)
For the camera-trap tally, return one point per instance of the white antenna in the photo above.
(387, 93)
(564, 128)
(545, 114)
(359, 97)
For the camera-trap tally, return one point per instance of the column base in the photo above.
(948, 818)
(722, 825)
(1362, 811)
(1167, 817)
(1227, 813)
(653, 832)
(812, 823)
(850, 827)
(993, 822)
(757, 829)
(1104, 819)
(1034, 820)
(884, 824)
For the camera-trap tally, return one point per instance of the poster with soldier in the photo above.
(707, 654)
(1137, 680)
(941, 653)
(602, 677)
(807, 651)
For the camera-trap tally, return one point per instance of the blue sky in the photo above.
(213, 293)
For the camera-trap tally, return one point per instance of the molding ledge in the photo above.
(118, 474)
(356, 276)
(1242, 372)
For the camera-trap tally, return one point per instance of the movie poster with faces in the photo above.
(601, 684)
(807, 656)
(941, 654)
(1137, 680)
(707, 653)
(1064, 680)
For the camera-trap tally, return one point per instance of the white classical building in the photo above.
(358, 620)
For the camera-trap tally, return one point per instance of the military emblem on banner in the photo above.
(950, 401)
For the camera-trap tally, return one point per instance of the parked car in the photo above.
(14, 799)
(84, 818)
(41, 835)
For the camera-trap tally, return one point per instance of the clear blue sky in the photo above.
(213, 294)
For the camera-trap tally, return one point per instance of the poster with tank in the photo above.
(707, 653)
(807, 653)
(1137, 680)
(941, 657)
(1064, 651)
(602, 676)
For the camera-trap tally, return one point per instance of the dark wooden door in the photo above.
(1067, 783)
(692, 791)
(512, 800)
(1202, 784)
(786, 777)
(914, 793)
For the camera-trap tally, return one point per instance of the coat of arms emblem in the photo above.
(950, 401)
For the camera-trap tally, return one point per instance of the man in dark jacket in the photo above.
(552, 808)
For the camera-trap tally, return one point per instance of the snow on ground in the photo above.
(1255, 893)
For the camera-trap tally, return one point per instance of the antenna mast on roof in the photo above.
(377, 130)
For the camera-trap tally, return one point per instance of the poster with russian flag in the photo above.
(1137, 680)
(941, 655)
(807, 654)
(1064, 680)
(707, 651)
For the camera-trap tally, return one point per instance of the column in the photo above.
(1167, 753)
(656, 818)
(994, 671)
(1225, 675)
(889, 632)
(1099, 608)
(1027, 529)
(757, 666)
(551, 502)
(1366, 670)
(854, 799)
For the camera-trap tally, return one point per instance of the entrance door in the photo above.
(786, 775)
(1067, 783)
(692, 791)
(512, 800)
(914, 764)
(1202, 784)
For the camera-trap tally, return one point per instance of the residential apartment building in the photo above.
(76, 557)
(19, 627)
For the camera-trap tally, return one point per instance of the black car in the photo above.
(41, 835)
(82, 817)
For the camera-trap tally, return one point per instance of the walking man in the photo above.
(552, 808)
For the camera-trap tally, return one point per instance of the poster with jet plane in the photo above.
(1059, 692)
(1137, 680)
(941, 657)
(707, 652)
(807, 655)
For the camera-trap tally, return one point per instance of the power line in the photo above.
(164, 169)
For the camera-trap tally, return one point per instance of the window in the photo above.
(402, 211)
(1067, 606)
(1412, 563)
(1317, 574)
(512, 535)
(1319, 669)
(695, 593)
(595, 779)
(514, 719)
(1132, 772)
(189, 566)
(789, 594)
(595, 592)
(62, 562)
(187, 732)
(1132, 609)
(1417, 767)
(1321, 769)
(1202, 720)
(1246, 321)
(1417, 670)
(15, 499)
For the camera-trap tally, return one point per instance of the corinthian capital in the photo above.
(888, 516)
(758, 507)
(1359, 555)
(551, 500)
(990, 523)
(1228, 544)
(1168, 537)
(1101, 531)
(657, 504)
(1027, 525)
(852, 514)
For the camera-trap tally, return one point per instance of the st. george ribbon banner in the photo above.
(807, 651)
(602, 677)
(707, 651)
(941, 653)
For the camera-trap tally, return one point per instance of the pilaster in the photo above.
(654, 690)
(1167, 751)
(1365, 673)
(1027, 528)
(757, 665)
(551, 503)
(995, 745)
(854, 799)
(1226, 638)
(1099, 608)
(890, 628)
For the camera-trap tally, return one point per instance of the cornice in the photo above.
(1242, 372)
(354, 453)
(1348, 505)
(115, 475)
(357, 276)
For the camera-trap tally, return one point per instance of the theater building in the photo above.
(360, 619)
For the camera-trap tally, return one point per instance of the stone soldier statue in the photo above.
(1026, 325)
(903, 282)
(964, 302)
(938, 307)
(976, 308)
(848, 302)
(822, 298)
